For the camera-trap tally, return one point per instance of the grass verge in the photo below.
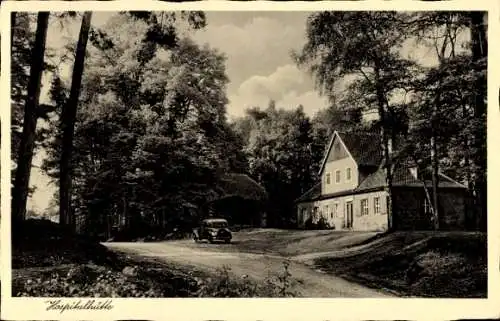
(421, 264)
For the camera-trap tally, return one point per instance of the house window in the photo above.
(326, 211)
(364, 207)
(337, 176)
(327, 178)
(376, 205)
(348, 174)
(336, 209)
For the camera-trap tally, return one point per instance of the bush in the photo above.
(85, 281)
(321, 224)
(308, 224)
(98, 281)
(223, 285)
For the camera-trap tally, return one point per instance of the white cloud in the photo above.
(284, 79)
(285, 85)
(310, 100)
(254, 48)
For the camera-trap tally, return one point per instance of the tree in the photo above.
(429, 26)
(26, 147)
(22, 38)
(479, 48)
(68, 119)
(447, 92)
(279, 151)
(364, 45)
(151, 135)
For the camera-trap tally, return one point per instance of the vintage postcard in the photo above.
(250, 160)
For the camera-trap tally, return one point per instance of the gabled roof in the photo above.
(402, 177)
(240, 185)
(363, 147)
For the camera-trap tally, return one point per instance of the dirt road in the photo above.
(257, 266)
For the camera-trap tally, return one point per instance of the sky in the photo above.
(259, 66)
(258, 48)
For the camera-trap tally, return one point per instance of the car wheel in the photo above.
(227, 241)
(210, 239)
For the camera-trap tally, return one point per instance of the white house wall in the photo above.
(370, 222)
(344, 184)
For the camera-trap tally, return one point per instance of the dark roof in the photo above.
(363, 146)
(402, 177)
(311, 194)
(240, 185)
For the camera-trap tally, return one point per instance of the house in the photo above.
(352, 193)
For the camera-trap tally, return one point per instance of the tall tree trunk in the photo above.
(479, 51)
(435, 159)
(387, 154)
(27, 145)
(12, 26)
(435, 181)
(68, 119)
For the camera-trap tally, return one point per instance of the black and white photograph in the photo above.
(249, 154)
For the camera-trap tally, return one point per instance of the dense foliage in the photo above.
(146, 155)
(278, 146)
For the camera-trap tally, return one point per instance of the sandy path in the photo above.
(257, 266)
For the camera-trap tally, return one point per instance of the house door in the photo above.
(348, 214)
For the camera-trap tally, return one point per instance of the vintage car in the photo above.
(212, 230)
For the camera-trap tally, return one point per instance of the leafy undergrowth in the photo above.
(90, 280)
(40, 242)
(224, 285)
(51, 262)
(424, 264)
(148, 280)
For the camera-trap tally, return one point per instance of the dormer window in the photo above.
(327, 179)
(337, 177)
(348, 174)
